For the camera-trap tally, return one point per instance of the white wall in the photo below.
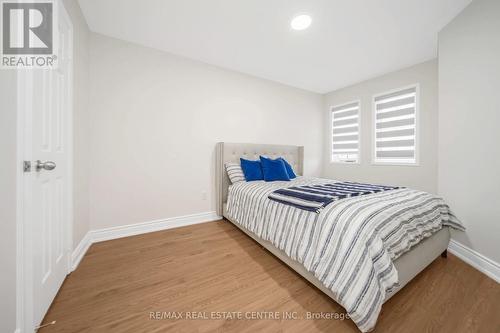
(8, 167)
(155, 120)
(81, 120)
(423, 176)
(469, 119)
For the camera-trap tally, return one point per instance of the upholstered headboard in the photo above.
(231, 152)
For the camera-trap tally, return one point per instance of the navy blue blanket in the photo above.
(315, 197)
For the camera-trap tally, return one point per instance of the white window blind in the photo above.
(345, 133)
(395, 127)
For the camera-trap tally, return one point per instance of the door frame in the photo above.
(24, 221)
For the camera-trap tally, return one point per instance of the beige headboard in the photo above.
(231, 152)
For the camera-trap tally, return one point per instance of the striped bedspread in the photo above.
(351, 244)
(316, 197)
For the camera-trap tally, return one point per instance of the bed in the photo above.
(406, 266)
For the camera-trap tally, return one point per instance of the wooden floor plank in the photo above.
(214, 267)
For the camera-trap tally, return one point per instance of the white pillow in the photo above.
(235, 172)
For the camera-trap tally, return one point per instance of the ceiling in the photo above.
(348, 41)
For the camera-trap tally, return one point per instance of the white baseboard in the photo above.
(80, 251)
(100, 235)
(473, 258)
(476, 260)
(156, 225)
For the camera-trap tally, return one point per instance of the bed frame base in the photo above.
(408, 265)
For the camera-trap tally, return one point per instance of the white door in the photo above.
(48, 185)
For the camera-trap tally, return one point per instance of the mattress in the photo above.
(350, 247)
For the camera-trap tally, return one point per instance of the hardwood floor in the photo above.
(214, 267)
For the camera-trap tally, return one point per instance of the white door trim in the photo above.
(24, 239)
(21, 293)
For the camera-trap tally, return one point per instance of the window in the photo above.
(395, 126)
(345, 133)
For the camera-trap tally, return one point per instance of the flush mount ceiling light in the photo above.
(301, 22)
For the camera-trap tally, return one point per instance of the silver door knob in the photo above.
(47, 165)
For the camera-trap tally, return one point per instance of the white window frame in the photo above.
(417, 127)
(330, 128)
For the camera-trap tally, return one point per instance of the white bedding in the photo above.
(351, 245)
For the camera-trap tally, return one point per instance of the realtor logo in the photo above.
(27, 34)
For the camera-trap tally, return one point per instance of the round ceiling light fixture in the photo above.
(301, 22)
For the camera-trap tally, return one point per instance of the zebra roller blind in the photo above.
(396, 127)
(345, 133)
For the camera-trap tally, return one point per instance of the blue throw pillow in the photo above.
(252, 170)
(289, 169)
(273, 169)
